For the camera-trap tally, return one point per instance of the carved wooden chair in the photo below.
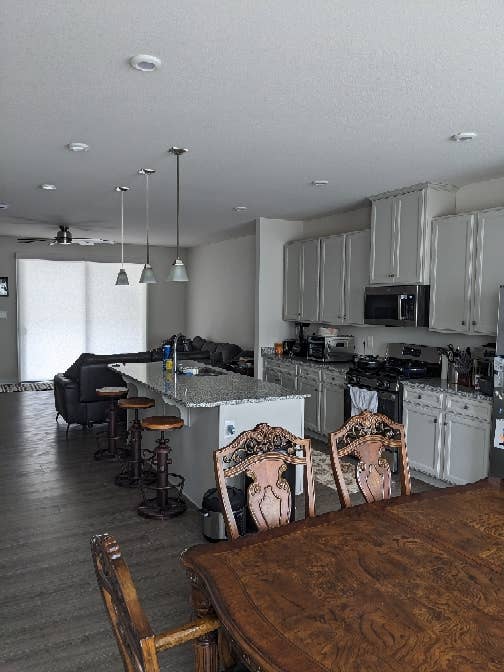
(263, 454)
(138, 644)
(365, 437)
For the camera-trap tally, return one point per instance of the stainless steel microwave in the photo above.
(397, 305)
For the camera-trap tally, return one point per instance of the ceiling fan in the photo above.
(64, 237)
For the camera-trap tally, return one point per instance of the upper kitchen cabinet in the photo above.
(401, 232)
(466, 272)
(301, 280)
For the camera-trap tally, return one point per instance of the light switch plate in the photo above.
(3, 314)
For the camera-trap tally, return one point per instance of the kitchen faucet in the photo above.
(175, 341)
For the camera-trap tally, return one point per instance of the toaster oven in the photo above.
(331, 348)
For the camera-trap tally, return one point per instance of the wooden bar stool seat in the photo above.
(110, 453)
(133, 469)
(163, 505)
(162, 423)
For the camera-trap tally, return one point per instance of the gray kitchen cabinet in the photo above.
(466, 449)
(292, 281)
(301, 280)
(452, 273)
(332, 279)
(401, 230)
(489, 271)
(289, 380)
(449, 440)
(356, 275)
(332, 406)
(272, 375)
(423, 427)
(466, 271)
(310, 385)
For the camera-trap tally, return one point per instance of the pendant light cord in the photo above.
(178, 203)
(122, 229)
(147, 222)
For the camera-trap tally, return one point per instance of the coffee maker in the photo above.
(300, 347)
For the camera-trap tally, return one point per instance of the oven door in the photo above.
(389, 403)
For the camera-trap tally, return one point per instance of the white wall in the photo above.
(221, 291)
(166, 302)
(271, 235)
(480, 195)
(353, 220)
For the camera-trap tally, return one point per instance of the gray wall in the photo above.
(221, 291)
(166, 302)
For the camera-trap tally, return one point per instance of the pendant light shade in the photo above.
(148, 276)
(122, 276)
(178, 271)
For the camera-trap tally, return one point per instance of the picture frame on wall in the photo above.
(4, 286)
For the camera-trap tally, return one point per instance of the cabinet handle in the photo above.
(463, 322)
(466, 407)
(474, 323)
(435, 421)
(391, 275)
(419, 396)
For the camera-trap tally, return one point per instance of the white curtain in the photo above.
(69, 307)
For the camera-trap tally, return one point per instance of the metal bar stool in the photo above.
(163, 505)
(110, 453)
(133, 469)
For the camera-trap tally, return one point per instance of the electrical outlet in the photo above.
(3, 314)
(229, 428)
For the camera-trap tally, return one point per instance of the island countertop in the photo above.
(204, 391)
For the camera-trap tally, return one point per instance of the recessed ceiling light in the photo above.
(320, 183)
(145, 63)
(464, 136)
(240, 208)
(77, 147)
(3, 205)
(47, 187)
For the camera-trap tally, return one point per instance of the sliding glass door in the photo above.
(69, 307)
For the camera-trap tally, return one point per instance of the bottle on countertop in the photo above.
(167, 358)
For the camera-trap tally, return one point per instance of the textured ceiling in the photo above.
(267, 95)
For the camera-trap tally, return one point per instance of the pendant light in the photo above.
(178, 271)
(147, 276)
(122, 276)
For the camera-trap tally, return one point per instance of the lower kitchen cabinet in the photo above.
(466, 449)
(450, 446)
(423, 427)
(332, 407)
(272, 375)
(311, 386)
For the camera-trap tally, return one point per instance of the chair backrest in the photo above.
(365, 437)
(134, 635)
(263, 454)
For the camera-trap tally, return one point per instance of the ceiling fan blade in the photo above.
(92, 241)
(32, 240)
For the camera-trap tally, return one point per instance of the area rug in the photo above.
(44, 386)
(322, 472)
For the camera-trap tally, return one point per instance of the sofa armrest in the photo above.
(94, 376)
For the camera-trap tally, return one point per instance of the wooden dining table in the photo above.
(410, 584)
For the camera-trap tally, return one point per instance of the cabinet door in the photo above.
(451, 273)
(272, 375)
(466, 450)
(332, 275)
(410, 237)
(382, 242)
(332, 411)
(310, 275)
(356, 275)
(423, 438)
(289, 381)
(489, 272)
(292, 281)
(312, 403)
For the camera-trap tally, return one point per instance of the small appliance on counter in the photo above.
(331, 348)
(397, 305)
(483, 368)
(288, 347)
(300, 347)
(497, 445)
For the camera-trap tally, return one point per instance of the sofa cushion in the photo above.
(197, 342)
(209, 346)
(225, 352)
(73, 371)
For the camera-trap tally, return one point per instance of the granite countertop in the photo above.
(333, 367)
(438, 385)
(204, 391)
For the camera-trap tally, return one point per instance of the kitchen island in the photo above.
(216, 406)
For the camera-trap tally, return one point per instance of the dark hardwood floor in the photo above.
(53, 497)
